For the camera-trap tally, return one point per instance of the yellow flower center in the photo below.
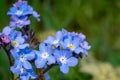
(71, 46)
(15, 43)
(53, 47)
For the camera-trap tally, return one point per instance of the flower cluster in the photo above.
(67, 47)
(20, 13)
(19, 42)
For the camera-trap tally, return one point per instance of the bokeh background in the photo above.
(99, 20)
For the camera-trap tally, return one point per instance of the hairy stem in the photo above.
(41, 76)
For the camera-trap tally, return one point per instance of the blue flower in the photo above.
(54, 41)
(72, 44)
(23, 57)
(19, 22)
(18, 42)
(44, 56)
(24, 74)
(7, 30)
(22, 66)
(82, 37)
(17, 4)
(16, 38)
(84, 47)
(23, 10)
(65, 59)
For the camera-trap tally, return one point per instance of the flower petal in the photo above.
(40, 63)
(20, 40)
(23, 46)
(30, 56)
(27, 65)
(64, 69)
(72, 61)
(7, 30)
(51, 60)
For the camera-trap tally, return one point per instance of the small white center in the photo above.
(55, 41)
(63, 60)
(19, 12)
(22, 58)
(22, 70)
(44, 55)
(19, 22)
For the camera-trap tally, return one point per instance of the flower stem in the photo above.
(41, 75)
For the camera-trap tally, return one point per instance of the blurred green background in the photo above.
(99, 20)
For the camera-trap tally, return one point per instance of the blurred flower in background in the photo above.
(100, 70)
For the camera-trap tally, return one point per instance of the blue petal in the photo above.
(47, 76)
(27, 65)
(16, 49)
(65, 43)
(42, 47)
(76, 42)
(30, 56)
(33, 75)
(7, 30)
(19, 33)
(14, 54)
(85, 45)
(20, 40)
(23, 46)
(12, 10)
(82, 36)
(77, 50)
(64, 69)
(51, 60)
(40, 63)
(24, 77)
(14, 70)
(59, 35)
(72, 61)
(36, 15)
(23, 7)
(57, 53)
(66, 53)
(49, 40)
(49, 50)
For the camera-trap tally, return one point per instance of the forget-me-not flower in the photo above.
(24, 74)
(23, 57)
(72, 44)
(54, 41)
(65, 60)
(23, 10)
(16, 38)
(44, 56)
